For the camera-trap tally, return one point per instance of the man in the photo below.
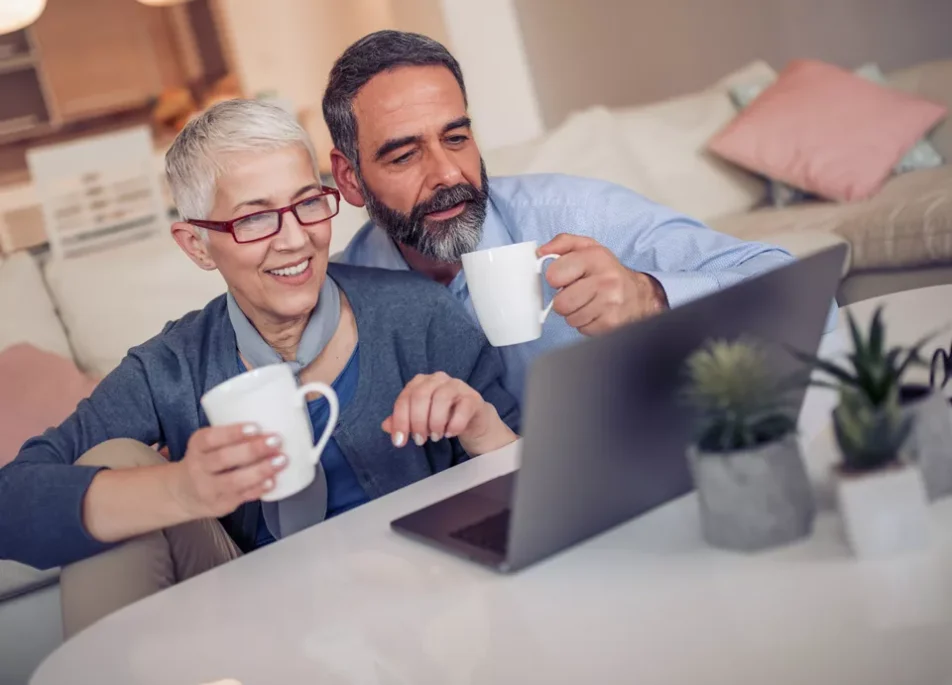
(397, 111)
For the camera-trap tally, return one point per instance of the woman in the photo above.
(419, 386)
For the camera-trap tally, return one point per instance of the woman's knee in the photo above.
(121, 453)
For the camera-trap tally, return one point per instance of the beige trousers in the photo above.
(95, 587)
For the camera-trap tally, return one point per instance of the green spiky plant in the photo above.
(739, 404)
(868, 422)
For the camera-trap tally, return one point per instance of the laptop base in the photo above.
(448, 523)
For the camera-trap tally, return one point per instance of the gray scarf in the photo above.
(319, 330)
(310, 505)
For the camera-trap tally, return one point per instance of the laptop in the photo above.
(605, 425)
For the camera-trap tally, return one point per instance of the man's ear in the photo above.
(346, 177)
(192, 244)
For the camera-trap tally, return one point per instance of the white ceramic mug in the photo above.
(269, 396)
(505, 284)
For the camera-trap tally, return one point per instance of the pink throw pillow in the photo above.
(827, 131)
(37, 390)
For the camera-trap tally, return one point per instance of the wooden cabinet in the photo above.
(96, 57)
(25, 107)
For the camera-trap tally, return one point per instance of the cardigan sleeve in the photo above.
(42, 490)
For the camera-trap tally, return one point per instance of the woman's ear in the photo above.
(346, 177)
(193, 244)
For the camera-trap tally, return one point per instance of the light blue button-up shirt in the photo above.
(688, 259)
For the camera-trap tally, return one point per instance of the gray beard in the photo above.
(444, 241)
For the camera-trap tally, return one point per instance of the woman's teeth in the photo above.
(291, 270)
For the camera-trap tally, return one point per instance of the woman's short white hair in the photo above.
(193, 163)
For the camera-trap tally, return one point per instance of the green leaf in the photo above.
(876, 333)
(836, 371)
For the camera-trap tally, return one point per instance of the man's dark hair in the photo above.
(369, 56)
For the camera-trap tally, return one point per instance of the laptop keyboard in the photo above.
(490, 533)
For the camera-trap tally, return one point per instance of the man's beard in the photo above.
(444, 241)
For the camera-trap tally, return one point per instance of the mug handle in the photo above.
(539, 264)
(331, 398)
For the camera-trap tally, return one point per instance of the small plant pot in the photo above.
(885, 512)
(753, 499)
(929, 444)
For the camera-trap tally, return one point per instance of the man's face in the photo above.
(421, 174)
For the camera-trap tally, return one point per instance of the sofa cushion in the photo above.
(907, 224)
(17, 579)
(784, 228)
(27, 313)
(827, 131)
(586, 144)
(932, 80)
(667, 141)
(113, 300)
(38, 390)
(511, 160)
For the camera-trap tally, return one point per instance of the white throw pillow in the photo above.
(27, 314)
(113, 300)
(668, 140)
(757, 71)
(511, 160)
(587, 144)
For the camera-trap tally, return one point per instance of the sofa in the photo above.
(899, 239)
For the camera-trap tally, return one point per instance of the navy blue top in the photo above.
(344, 491)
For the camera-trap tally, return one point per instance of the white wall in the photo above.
(621, 53)
(487, 41)
(289, 46)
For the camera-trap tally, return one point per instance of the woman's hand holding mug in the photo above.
(224, 467)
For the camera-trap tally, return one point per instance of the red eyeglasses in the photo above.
(261, 225)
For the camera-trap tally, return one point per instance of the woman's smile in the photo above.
(295, 273)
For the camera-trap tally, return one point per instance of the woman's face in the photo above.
(255, 181)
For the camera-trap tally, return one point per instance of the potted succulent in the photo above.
(880, 489)
(751, 482)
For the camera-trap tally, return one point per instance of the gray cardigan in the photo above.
(406, 325)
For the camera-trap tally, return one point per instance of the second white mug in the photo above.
(505, 284)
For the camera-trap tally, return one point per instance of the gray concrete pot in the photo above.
(929, 445)
(754, 499)
(885, 512)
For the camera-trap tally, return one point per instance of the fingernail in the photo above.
(268, 484)
(279, 460)
(273, 441)
(399, 439)
(435, 437)
(250, 429)
(419, 440)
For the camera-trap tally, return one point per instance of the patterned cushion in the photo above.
(908, 224)
(922, 155)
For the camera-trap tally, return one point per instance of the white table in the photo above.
(349, 601)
